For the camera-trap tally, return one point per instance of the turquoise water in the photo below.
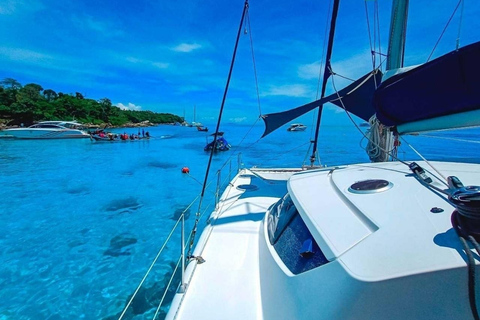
(82, 220)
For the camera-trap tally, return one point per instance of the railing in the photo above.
(189, 241)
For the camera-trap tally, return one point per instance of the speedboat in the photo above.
(383, 240)
(219, 143)
(297, 127)
(49, 130)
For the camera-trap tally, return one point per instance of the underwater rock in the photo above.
(178, 212)
(123, 205)
(148, 298)
(118, 245)
(161, 165)
(78, 190)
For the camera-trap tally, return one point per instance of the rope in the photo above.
(444, 29)
(374, 143)
(462, 232)
(423, 158)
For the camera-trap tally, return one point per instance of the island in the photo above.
(30, 103)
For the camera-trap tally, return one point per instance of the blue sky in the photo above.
(167, 56)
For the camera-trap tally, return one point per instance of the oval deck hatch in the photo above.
(370, 186)
(247, 187)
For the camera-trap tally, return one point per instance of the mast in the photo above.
(326, 75)
(398, 30)
(381, 143)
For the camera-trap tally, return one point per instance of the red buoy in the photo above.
(185, 170)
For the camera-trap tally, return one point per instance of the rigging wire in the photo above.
(320, 74)
(447, 138)
(444, 29)
(377, 10)
(253, 61)
(372, 49)
(242, 20)
(460, 24)
(358, 128)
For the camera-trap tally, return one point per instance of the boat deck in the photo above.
(234, 230)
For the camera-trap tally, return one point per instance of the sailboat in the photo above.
(194, 122)
(381, 240)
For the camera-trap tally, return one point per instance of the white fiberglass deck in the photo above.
(389, 253)
(231, 257)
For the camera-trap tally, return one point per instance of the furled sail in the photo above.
(448, 85)
(357, 98)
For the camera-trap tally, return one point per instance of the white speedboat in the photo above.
(49, 130)
(297, 127)
(385, 240)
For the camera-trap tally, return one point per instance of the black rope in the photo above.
(463, 233)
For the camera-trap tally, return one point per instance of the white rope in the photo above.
(380, 141)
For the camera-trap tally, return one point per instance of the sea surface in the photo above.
(82, 221)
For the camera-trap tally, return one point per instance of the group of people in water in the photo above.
(102, 135)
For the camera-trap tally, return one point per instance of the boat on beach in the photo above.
(391, 239)
(49, 130)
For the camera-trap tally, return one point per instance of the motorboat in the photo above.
(297, 127)
(49, 130)
(391, 239)
(219, 143)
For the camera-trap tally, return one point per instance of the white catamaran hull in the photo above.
(389, 253)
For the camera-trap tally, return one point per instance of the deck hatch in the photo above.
(370, 186)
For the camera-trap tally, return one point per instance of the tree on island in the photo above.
(32, 103)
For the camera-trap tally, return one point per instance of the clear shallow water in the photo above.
(82, 220)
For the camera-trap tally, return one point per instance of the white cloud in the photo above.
(238, 119)
(294, 90)
(25, 55)
(309, 71)
(130, 106)
(186, 47)
(161, 65)
(10, 7)
(105, 28)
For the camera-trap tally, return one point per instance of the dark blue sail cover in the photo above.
(357, 98)
(447, 85)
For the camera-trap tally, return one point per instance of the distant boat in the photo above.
(194, 122)
(297, 127)
(219, 144)
(202, 129)
(49, 130)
